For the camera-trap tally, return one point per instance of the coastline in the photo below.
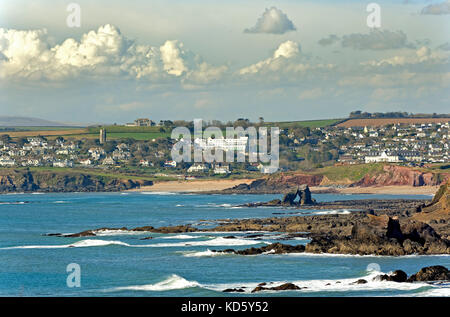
(217, 185)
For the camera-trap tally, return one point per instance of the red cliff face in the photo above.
(298, 179)
(401, 175)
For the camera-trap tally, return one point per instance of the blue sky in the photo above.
(283, 60)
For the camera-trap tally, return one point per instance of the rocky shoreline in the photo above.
(395, 228)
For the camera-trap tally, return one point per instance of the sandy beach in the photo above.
(212, 185)
(193, 185)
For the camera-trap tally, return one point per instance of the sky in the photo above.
(282, 60)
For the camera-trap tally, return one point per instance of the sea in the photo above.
(124, 263)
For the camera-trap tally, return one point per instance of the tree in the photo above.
(5, 138)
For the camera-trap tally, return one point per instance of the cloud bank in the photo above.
(437, 8)
(104, 52)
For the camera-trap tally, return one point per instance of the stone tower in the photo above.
(102, 136)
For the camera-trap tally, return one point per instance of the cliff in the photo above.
(353, 176)
(402, 175)
(437, 213)
(22, 180)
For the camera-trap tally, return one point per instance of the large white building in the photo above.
(239, 145)
(383, 157)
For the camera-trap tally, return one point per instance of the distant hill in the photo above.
(10, 121)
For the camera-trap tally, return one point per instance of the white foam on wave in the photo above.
(117, 232)
(436, 291)
(219, 241)
(12, 203)
(78, 244)
(207, 253)
(173, 282)
(327, 285)
(182, 236)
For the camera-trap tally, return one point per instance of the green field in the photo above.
(308, 123)
(124, 135)
(351, 172)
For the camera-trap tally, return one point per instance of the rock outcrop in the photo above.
(23, 180)
(274, 248)
(431, 273)
(437, 213)
(383, 235)
(282, 287)
(304, 195)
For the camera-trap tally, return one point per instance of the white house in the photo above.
(222, 169)
(170, 164)
(86, 162)
(197, 168)
(6, 161)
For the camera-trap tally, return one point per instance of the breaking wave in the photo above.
(173, 282)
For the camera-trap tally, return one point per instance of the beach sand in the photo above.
(211, 185)
(193, 185)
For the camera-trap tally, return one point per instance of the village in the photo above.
(409, 144)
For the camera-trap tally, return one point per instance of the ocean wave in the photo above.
(117, 232)
(78, 244)
(173, 282)
(98, 243)
(207, 253)
(181, 236)
(13, 202)
(219, 241)
(158, 193)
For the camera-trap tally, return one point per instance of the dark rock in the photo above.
(431, 273)
(282, 287)
(275, 248)
(360, 281)
(396, 276)
(304, 195)
(233, 290)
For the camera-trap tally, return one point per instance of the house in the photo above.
(86, 162)
(6, 161)
(225, 169)
(31, 162)
(141, 122)
(144, 163)
(108, 161)
(170, 164)
(62, 163)
(197, 168)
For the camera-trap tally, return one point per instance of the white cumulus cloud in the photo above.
(104, 52)
(272, 21)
